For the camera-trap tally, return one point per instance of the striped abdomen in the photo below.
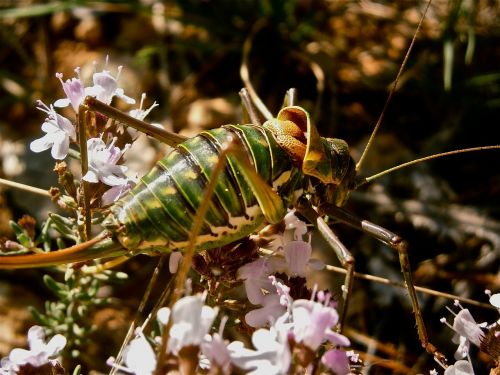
(159, 211)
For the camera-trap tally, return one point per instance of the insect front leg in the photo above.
(397, 243)
(344, 256)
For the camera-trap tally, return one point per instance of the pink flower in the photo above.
(106, 87)
(116, 192)
(283, 292)
(466, 331)
(174, 261)
(74, 90)
(298, 259)
(336, 361)
(465, 325)
(256, 278)
(271, 309)
(312, 323)
(214, 348)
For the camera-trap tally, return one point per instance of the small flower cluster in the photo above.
(484, 336)
(39, 359)
(291, 341)
(291, 257)
(103, 153)
(290, 335)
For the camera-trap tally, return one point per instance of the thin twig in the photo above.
(28, 188)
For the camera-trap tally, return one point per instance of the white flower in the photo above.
(106, 87)
(191, 321)
(59, 132)
(102, 161)
(295, 229)
(163, 315)
(74, 90)
(140, 114)
(465, 325)
(271, 355)
(39, 353)
(139, 356)
(466, 331)
(494, 299)
(461, 367)
(292, 222)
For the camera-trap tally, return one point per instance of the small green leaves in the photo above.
(77, 297)
(22, 234)
(65, 226)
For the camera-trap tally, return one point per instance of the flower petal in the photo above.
(461, 367)
(337, 361)
(60, 147)
(55, 345)
(140, 357)
(42, 144)
(62, 103)
(91, 176)
(465, 325)
(297, 254)
(174, 261)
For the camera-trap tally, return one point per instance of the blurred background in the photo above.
(342, 56)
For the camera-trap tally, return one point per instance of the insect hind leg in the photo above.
(397, 243)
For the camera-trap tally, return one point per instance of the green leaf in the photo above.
(38, 316)
(63, 225)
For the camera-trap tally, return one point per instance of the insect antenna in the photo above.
(365, 180)
(392, 91)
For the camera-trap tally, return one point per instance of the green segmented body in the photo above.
(159, 211)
